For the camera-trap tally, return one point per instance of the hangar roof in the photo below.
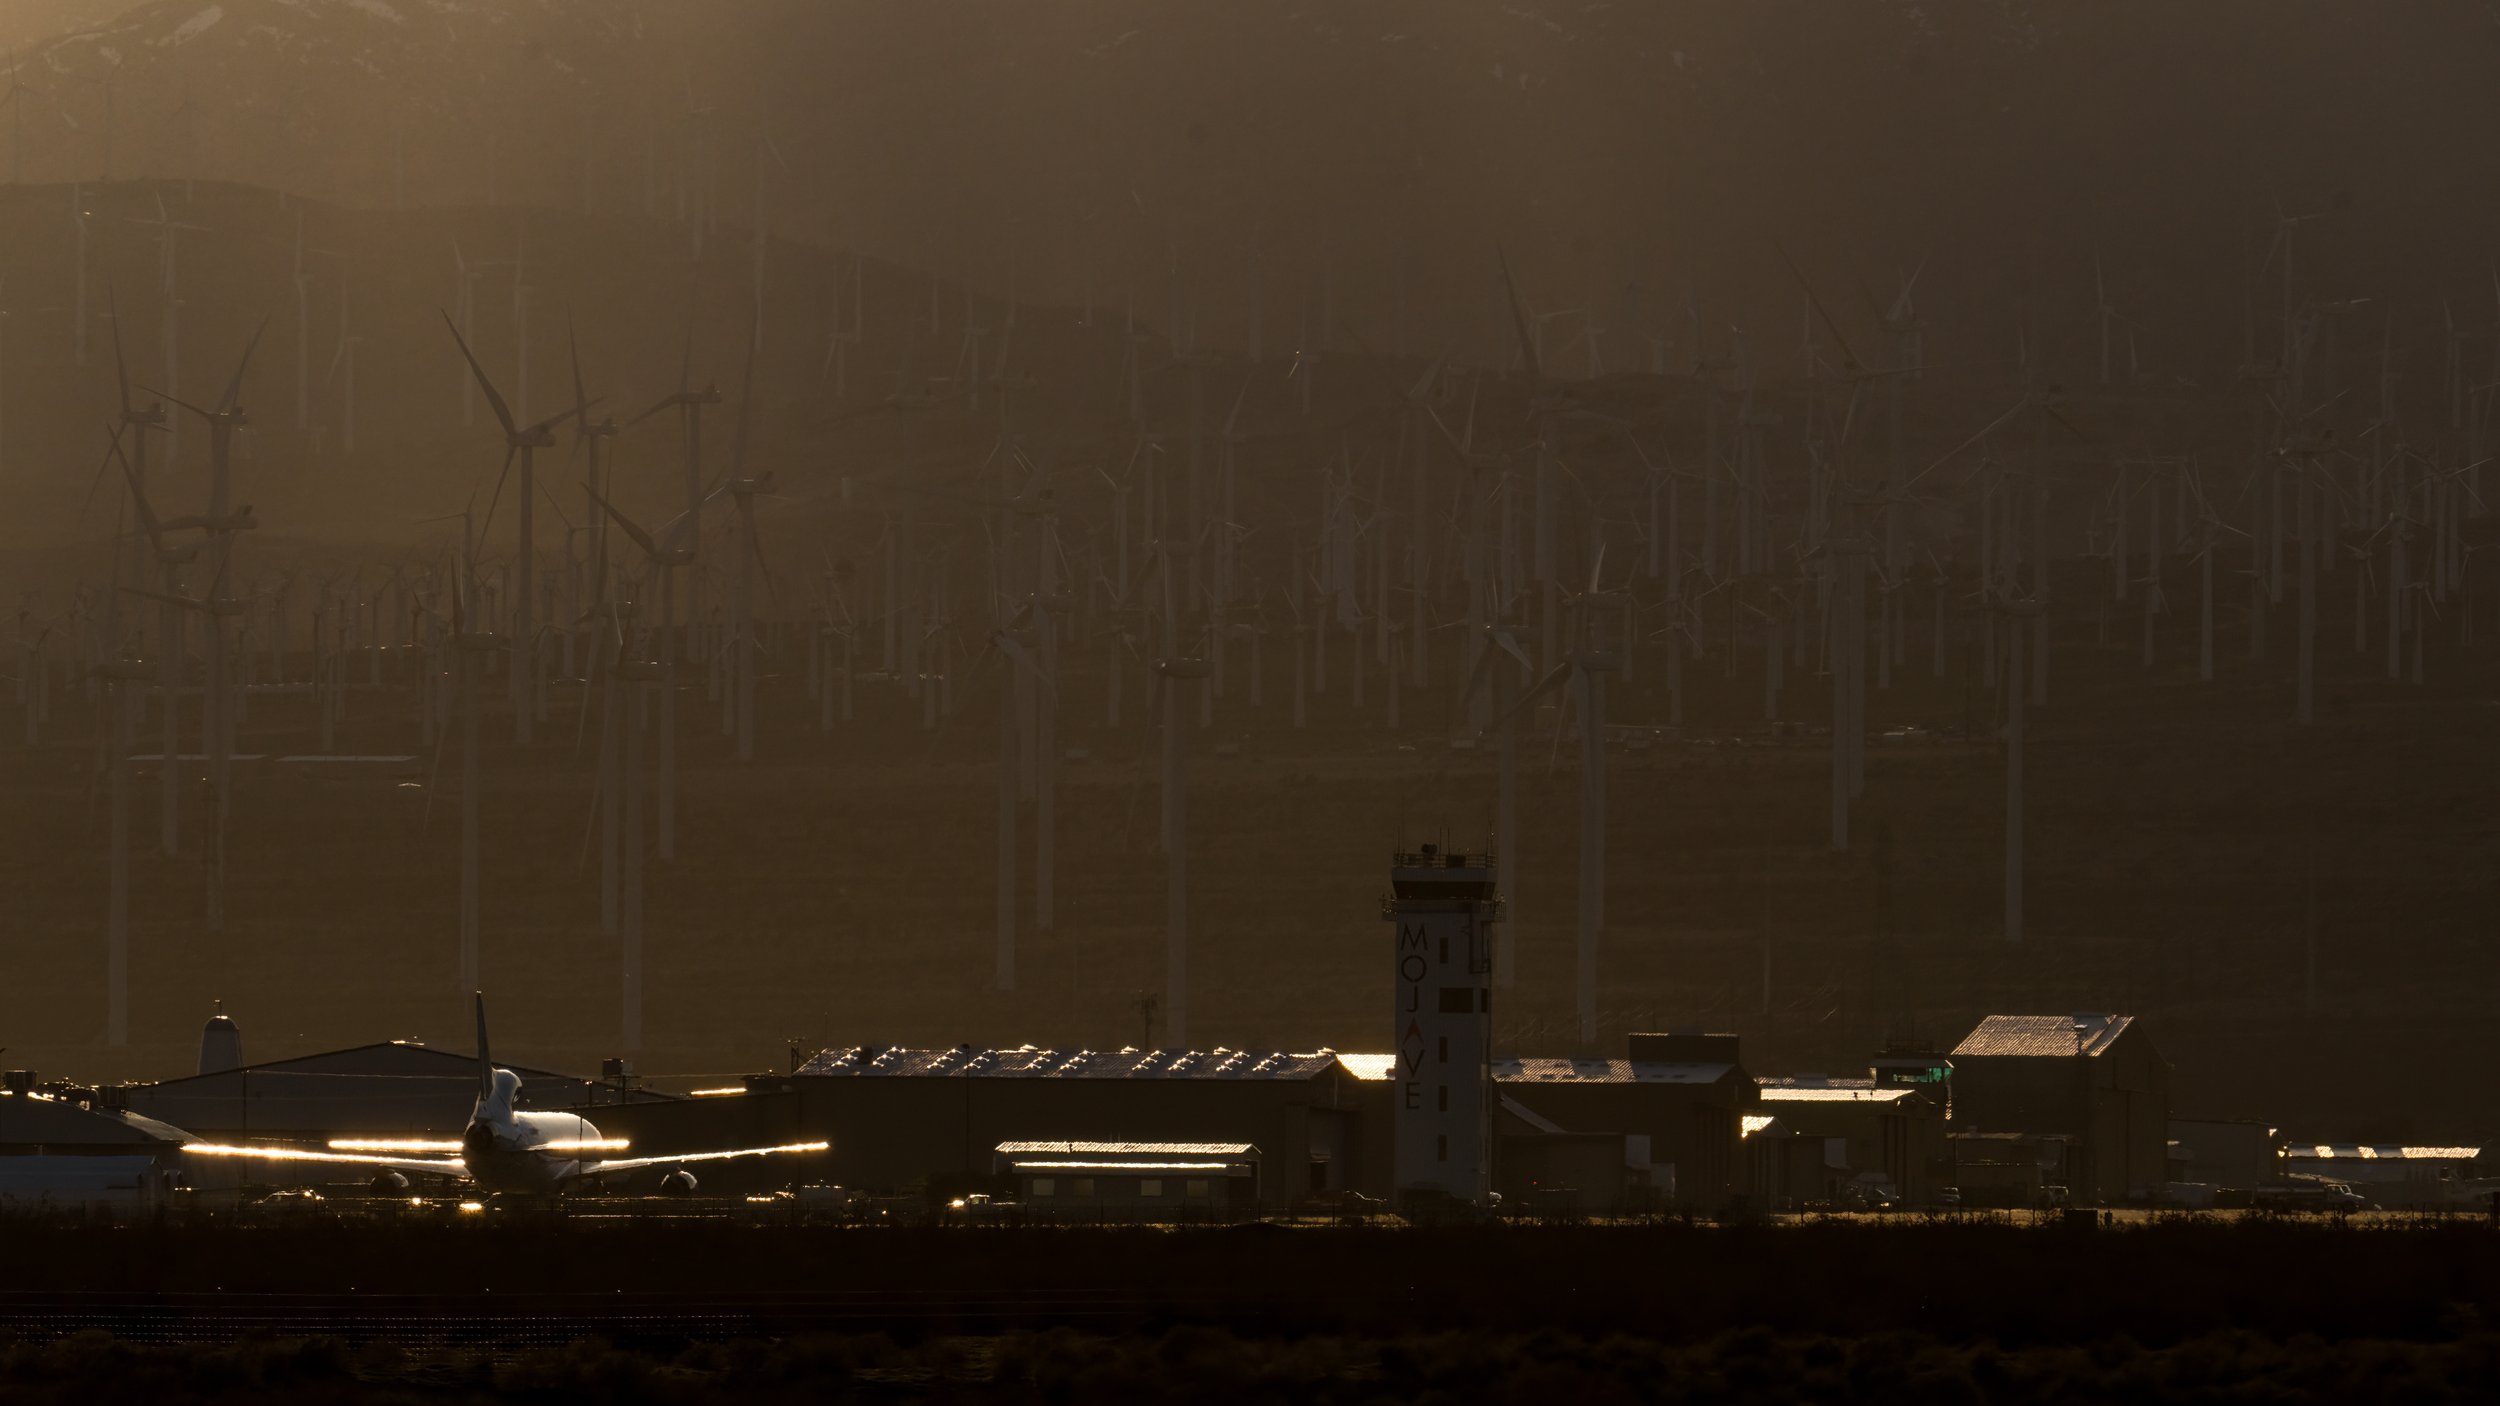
(1026, 1062)
(1816, 1090)
(1563, 1071)
(41, 1119)
(2039, 1036)
(1126, 1149)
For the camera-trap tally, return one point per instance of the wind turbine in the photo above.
(1585, 670)
(1017, 642)
(664, 561)
(621, 788)
(1172, 668)
(221, 524)
(471, 641)
(2014, 611)
(123, 678)
(1493, 676)
(525, 444)
(750, 551)
(170, 561)
(689, 403)
(1544, 404)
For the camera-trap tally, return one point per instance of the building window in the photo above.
(1150, 1186)
(1445, 1098)
(1457, 1000)
(1445, 1049)
(1042, 1186)
(1197, 1188)
(1441, 1148)
(1080, 1186)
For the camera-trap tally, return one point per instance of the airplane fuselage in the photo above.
(528, 1153)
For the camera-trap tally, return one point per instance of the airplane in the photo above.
(504, 1151)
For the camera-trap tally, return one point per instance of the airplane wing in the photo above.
(628, 1164)
(424, 1166)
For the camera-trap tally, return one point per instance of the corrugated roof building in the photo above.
(1674, 1105)
(1131, 1181)
(1895, 1131)
(2094, 1079)
(392, 1088)
(902, 1118)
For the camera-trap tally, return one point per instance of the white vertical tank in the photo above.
(1443, 907)
(221, 1044)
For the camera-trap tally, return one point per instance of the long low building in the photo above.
(926, 1119)
(393, 1087)
(1657, 1130)
(59, 1153)
(2401, 1176)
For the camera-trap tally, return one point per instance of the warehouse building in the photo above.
(396, 1087)
(2398, 1176)
(1886, 1141)
(1660, 1129)
(1131, 1181)
(64, 1151)
(933, 1119)
(2094, 1081)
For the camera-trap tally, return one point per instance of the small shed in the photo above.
(1132, 1181)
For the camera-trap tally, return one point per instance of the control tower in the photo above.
(1443, 906)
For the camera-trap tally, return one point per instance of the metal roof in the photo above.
(1379, 1067)
(1026, 1062)
(2030, 1036)
(1369, 1067)
(1126, 1149)
(1854, 1092)
(1113, 1168)
(2380, 1152)
(41, 1119)
(382, 1058)
(1606, 1071)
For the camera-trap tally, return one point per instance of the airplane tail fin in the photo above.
(485, 1062)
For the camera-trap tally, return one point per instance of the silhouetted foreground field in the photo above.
(2172, 1311)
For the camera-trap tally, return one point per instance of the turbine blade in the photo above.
(494, 398)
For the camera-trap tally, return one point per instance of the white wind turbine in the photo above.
(1172, 668)
(1495, 677)
(2013, 691)
(170, 560)
(631, 672)
(523, 443)
(1018, 641)
(221, 522)
(471, 639)
(662, 561)
(124, 679)
(1585, 669)
(685, 537)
